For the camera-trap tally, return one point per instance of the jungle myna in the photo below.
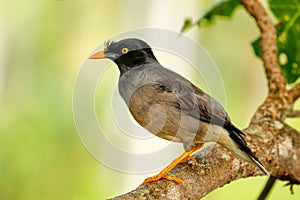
(170, 106)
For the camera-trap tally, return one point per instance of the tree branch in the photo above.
(276, 81)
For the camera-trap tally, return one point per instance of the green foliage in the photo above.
(223, 8)
(288, 31)
(187, 24)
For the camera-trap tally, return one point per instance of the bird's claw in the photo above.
(163, 176)
(189, 158)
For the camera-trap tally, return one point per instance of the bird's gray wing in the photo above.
(194, 102)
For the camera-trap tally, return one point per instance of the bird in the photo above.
(170, 106)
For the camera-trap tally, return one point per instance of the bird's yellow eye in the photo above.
(125, 50)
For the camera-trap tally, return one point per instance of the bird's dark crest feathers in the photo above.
(108, 43)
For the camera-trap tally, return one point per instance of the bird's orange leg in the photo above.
(164, 173)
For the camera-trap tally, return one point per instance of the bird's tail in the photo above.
(241, 149)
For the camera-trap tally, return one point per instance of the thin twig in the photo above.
(294, 113)
(267, 189)
(294, 93)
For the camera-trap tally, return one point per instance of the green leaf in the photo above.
(284, 9)
(223, 8)
(187, 24)
(288, 33)
(256, 47)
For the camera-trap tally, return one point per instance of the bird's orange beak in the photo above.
(98, 55)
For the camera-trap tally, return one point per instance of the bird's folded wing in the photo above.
(194, 102)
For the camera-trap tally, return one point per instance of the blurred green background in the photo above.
(42, 46)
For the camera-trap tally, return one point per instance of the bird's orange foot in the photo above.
(161, 176)
(164, 173)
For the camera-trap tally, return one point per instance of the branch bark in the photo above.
(294, 93)
(294, 113)
(276, 81)
(276, 144)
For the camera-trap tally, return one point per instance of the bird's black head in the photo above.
(127, 53)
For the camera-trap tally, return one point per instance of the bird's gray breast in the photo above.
(137, 77)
